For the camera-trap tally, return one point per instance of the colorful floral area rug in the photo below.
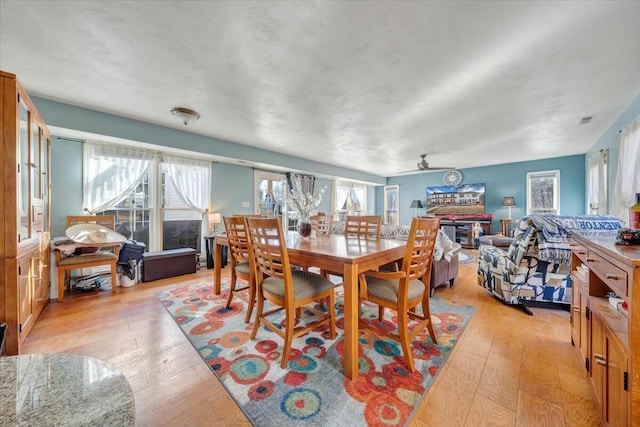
(312, 390)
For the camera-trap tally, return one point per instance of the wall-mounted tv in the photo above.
(466, 199)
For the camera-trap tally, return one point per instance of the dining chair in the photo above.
(241, 265)
(108, 256)
(405, 289)
(321, 224)
(288, 290)
(365, 226)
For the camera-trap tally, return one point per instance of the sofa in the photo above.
(444, 269)
(536, 268)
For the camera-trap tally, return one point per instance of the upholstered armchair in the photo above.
(536, 268)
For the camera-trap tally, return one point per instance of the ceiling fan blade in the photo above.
(440, 169)
(421, 170)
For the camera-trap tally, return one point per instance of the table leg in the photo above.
(217, 266)
(351, 315)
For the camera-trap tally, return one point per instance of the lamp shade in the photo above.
(508, 202)
(214, 218)
(417, 204)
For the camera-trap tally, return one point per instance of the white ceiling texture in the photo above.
(367, 85)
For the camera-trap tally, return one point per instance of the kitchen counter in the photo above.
(63, 389)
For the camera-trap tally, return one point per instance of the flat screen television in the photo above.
(466, 199)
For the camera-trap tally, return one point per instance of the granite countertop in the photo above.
(63, 389)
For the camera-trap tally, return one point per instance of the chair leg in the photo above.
(113, 277)
(288, 335)
(252, 301)
(332, 316)
(61, 279)
(232, 287)
(380, 313)
(427, 315)
(256, 323)
(403, 334)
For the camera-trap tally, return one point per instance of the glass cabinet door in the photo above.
(44, 178)
(36, 181)
(22, 192)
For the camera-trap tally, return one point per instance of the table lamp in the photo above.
(214, 220)
(417, 204)
(509, 202)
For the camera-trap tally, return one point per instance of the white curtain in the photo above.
(597, 182)
(628, 176)
(192, 180)
(110, 173)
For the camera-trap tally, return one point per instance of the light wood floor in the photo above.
(508, 369)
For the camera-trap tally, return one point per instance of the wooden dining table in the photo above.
(337, 253)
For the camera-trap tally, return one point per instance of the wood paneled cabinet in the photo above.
(24, 192)
(607, 338)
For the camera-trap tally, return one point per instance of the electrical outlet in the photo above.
(246, 204)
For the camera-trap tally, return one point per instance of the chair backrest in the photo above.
(237, 237)
(269, 250)
(322, 224)
(108, 221)
(421, 244)
(366, 226)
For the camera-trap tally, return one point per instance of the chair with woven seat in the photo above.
(105, 256)
(364, 227)
(405, 289)
(240, 261)
(288, 290)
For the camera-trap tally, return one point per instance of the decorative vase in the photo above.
(304, 227)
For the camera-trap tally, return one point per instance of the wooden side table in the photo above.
(505, 225)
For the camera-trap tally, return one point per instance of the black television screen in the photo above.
(466, 199)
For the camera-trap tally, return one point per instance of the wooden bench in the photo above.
(169, 263)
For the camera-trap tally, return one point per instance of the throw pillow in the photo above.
(519, 246)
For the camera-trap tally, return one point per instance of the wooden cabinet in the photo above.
(24, 193)
(461, 230)
(609, 339)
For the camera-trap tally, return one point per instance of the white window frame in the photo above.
(337, 204)
(534, 181)
(391, 205)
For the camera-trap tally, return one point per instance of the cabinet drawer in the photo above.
(614, 277)
(580, 251)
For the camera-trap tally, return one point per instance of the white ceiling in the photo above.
(364, 85)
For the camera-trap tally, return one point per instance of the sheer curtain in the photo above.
(110, 173)
(627, 178)
(192, 180)
(597, 182)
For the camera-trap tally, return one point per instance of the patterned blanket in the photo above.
(554, 231)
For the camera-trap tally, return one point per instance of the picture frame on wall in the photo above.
(391, 205)
(543, 192)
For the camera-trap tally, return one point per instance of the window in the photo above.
(349, 199)
(543, 192)
(391, 205)
(597, 183)
(135, 212)
(157, 199)
(181, 225)
(269, 195)
(627, 177)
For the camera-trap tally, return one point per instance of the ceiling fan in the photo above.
(423, 166)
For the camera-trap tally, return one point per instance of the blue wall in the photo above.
(231, 184)
(66, 183)
(501, 180)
